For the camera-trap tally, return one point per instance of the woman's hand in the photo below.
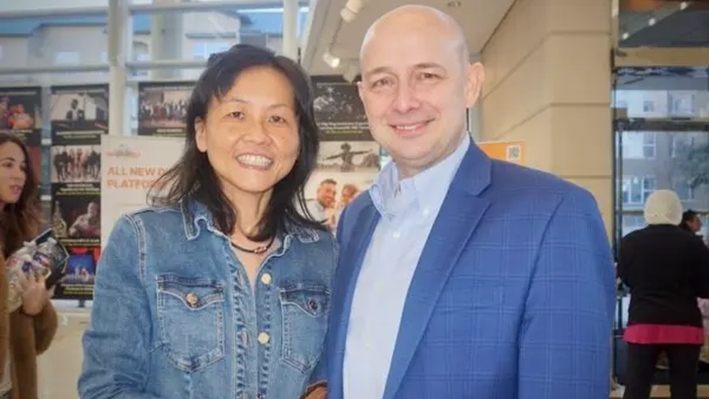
(34, 293)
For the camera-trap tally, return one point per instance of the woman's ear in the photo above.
(200, 129)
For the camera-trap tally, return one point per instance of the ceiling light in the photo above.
(331, 60)
(349, 12)
(683, 5)
(351, 72)
(454, 4)
(625, 36)
(651, 22)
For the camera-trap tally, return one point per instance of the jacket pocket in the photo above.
(305, 308)
(190, 321)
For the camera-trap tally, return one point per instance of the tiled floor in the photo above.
(663, 391)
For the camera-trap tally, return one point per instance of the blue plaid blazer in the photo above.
(513, 296)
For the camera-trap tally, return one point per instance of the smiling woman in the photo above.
(224, 275)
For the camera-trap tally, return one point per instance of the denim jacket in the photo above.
(175, 316)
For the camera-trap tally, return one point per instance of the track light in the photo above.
(683, 5)
(652, 21)
(331, 60)
(625, 36)
(351, 72)
(349, 12)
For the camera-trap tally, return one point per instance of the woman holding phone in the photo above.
(27, 331)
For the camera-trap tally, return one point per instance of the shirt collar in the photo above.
(425, 190)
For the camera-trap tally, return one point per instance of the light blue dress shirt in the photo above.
(408, 210)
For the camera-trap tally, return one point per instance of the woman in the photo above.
(222, 289)
(666, 269)
(31, 327)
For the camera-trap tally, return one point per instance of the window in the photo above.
(202, 50)
(621, 104)
(142, 56)
(648, 106)
(681, 142)
(639, 145)
(632, 222)
(635, 190)
(682, 104)
(683, 189)
(104, 57)
(66, 58)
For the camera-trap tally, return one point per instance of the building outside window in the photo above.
(639, 145)
(202, 50)
(635, 190)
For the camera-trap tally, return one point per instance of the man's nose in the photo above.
(405, 99)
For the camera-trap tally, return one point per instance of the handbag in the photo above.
(317, 390)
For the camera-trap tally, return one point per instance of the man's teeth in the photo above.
(408, 127)
(255, 160)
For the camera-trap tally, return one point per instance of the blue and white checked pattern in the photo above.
(513, 297)
(408, 209)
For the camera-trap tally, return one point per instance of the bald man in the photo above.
(461, 276)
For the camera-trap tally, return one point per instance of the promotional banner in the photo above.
(349, 159)
(339, 112)
(79, 114)
(510, 151)
(21, 115)
(163, 108)
(131, 165)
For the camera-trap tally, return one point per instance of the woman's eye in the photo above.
(278, 119)
(237, 115)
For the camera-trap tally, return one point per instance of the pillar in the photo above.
(549, 83)
(290, 29)
(119, 37)
(166, 37)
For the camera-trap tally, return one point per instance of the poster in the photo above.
(21, 113)
(163, 108)
(510, 151)
(339, 112)
(79, 114)
(327, 193)
(130, 166)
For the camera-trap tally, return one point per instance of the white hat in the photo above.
(663, 207)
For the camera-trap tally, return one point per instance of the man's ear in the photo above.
(200, 129)
(475, 76)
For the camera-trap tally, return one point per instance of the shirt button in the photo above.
(266, 278)
(396, 234)
(263, 338)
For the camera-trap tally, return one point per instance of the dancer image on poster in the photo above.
(347, 155)
(87, 224)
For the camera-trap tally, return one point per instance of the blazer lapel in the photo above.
(349, 264)
(457, 219)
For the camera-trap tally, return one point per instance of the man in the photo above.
(87, 225)
(691, 221)
(322, 207)
(460, 276)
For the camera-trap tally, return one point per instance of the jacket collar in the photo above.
(195, 216)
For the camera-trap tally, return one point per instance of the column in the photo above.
(119, 36)
(290, 29)
(166, 39)
(549, 83)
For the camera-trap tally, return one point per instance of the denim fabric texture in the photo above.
(175, 316)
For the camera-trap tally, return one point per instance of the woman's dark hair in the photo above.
(193, 178)
(20, 221)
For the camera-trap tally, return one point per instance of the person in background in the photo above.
(666, 268)
(691, 221)
(460, 276)
(28, 331)
(222, 288)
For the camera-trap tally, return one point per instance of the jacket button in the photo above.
(263, 338)
(266, 278)
(192, 299)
